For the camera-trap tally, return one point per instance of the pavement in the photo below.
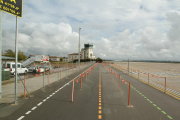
(33, 84)
(99, 98)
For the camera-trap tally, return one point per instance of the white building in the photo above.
(87, 52)
(73, 56)
(54, 58)
(65, 59)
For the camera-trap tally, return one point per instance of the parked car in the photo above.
(36, 69)
(11, 66)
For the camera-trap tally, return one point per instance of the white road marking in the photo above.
(33, 108)
(39, 104)
(48, 97)
(28, 112)
(20, 118)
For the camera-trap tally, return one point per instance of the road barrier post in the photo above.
(114, 77)
(129, 95)
(138, 74)
(119, 82)
(81, 82)
(72, 91)
(148, 78)
(131, 71)
(165, 86)
(24, 86)
(86, 76)
(111, 74)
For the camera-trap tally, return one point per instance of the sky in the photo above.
(118, 29)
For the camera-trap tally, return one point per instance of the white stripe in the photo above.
(47, 98)
(53, 93)
(33, 108)
(50, 95)
(39, 104)
(20, 118)
(28, 112)
(44, 100)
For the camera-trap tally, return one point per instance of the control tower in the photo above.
(87, 52)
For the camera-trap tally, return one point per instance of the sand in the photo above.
(160, 70)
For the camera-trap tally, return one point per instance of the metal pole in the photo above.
(76, 66)
(66, 70)
(148, 78)
(128, 66)
(24, 86)
(138, 74)
(58, 71)
(43, 75)
(48, 78)
(16, 52)
(81, 82)
(72, 91)
(72, 67)
(79, 50)
(0, 55)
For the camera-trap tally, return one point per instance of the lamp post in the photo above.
(79, 50)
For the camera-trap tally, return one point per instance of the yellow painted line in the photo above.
(99, 116)
(99, 111)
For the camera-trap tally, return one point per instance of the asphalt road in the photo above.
(99, 98)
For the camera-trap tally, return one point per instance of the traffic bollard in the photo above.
(129, 95)
(119, 82)
(72, 91)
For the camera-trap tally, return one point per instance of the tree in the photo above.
(21, 55)
(9, 53)
(99, 60)
(61, 58)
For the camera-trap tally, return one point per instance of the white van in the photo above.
(11, 66)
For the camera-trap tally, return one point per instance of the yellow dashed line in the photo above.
(99, 111)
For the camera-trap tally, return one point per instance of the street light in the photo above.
(79, 49)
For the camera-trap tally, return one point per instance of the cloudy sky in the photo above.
(118, 29)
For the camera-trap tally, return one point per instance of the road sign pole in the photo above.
(0, 55)
(16, 50)
(58, 71)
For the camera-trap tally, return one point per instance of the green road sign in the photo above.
(13, 7)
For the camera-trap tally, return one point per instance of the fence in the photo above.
(157, 81)
(37, 81)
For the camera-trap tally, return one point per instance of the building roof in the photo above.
(7, 58)
(74, 54)
(53, 57)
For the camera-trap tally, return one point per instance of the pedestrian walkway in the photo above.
(35, 83)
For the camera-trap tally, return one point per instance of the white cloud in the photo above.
(119, 29)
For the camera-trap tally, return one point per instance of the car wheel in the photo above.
(25, 72)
